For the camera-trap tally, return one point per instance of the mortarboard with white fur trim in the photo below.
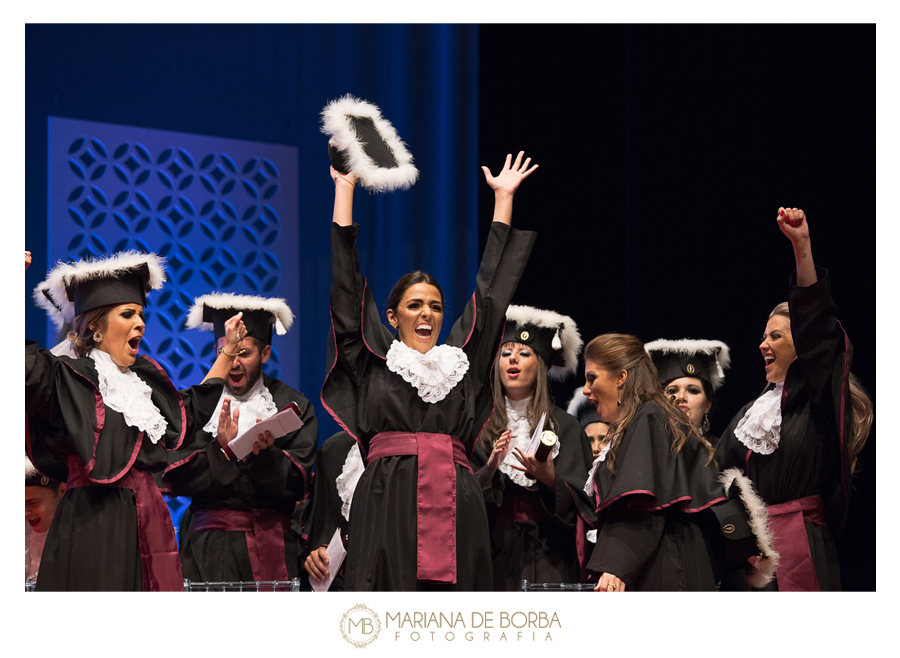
(548, 333)
(123, 278)
(56, 311)
(34, 478)
(364, 142)
(261, 314)
(703, 359)
(583, 410)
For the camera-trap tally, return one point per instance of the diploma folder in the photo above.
(286, 420)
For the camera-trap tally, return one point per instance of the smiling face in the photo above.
(518, 370)
(688, 395)
(246, 369)
(122, 332)
(777, 348)
(602, 389)
(418, 316)
(597, 434)
(40, 505)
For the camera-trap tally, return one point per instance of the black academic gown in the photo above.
(812, 457)
(366, 398)
(656, 531)
(93, 542)
(323, 514)
(534, 533)
(275, 479)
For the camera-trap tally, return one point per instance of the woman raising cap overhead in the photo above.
(691, 371)
(535, 506)
(799, 440)
(102, 423)
(418, 519)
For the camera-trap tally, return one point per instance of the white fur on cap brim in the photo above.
(765, 568)
(56, 314)
(69, 274)
(570, 337)
(578, 403)
(336, 122)
(690, 347)
(30, 470)
(277, 306)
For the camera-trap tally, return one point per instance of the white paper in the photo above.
(336, 553)
(536, 436)
(286, 420)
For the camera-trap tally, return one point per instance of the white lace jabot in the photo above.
(517, 415)
(123, 391)
(433, 374)
(760, 428)
(256, 403)
(349, 477)
(589, 484)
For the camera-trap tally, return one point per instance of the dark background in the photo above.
(664, 152)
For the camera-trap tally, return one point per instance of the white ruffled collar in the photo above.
(589, 484)
(346, 482)
(517, 417)
(256, 403)
(433, 374)
(760, 428)
(123, 391)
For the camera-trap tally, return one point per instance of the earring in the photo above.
(706, 423)
(98, 337)
(619, 401)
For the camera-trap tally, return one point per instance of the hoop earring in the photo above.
(705, 423)
(98, 337)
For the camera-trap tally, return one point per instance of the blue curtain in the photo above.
(268, 83)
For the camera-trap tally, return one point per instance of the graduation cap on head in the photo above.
(34, 478)
(365, 143)
(56, 310)
(583, 410)
(124, 278)
(548, 333)
(261, 314)
(703, 359)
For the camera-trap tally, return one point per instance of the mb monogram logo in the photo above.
(360, 626)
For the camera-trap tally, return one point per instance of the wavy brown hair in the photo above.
(617, 352)
(541, 402)
(861, 410)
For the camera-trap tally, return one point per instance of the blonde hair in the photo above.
(541, 402)
(617, 352)
(861, 410)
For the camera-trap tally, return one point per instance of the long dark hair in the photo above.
(408, 280)
(541, 402)
(82, 335)
(617, 352)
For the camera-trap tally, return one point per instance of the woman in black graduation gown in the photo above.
(656, 483)
(798, 441)
(534, 505)
(418, 519)
(103, 424)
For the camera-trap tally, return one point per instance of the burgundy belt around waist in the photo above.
(264, 530)
(796, 571)
(522, 508)
(435, 495)
(160, 565)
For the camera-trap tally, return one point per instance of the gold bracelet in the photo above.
(238, 353)
(339, 176)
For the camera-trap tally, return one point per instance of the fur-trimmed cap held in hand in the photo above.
(548, 333)
(364, 142)
(261, 314)
(123, 278)
(703, 359)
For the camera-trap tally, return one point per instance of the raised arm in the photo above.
(793, 224)
(344, 184)
(505, 185)
(234, 333)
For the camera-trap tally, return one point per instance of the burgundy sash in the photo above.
(521, 508)
(264, 530)
(160, 565)
(435, 496)
(796, 571)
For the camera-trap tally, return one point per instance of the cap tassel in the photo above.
(557, 343)
(719, 366)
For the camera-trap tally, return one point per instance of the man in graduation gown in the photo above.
(238, 525)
